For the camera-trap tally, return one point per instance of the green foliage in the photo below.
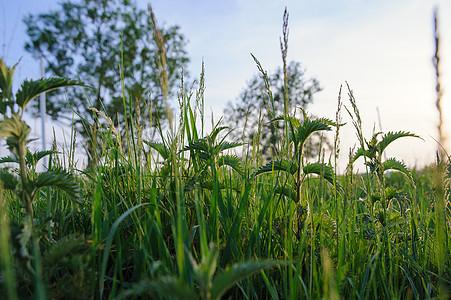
(90, 39)
(210, 286)
(58, 179)
(374, 149)
(299, 132)
(210, 223)
(24, 182)
(282, 165)
(31, 89)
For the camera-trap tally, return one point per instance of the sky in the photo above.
(382, 49)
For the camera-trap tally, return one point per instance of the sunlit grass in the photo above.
(191, 214)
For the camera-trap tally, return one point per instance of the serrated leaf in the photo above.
(361, 152)
(58, 179)
(215, 132)
(232, 161)
(391, 136)
(67, 246)
(393, 164)
(205, 270)
(167, 287)
(293, 121)
(33, 158)
(14, 128)
(9, 159)
(160, 148)
(226, 146)
(198, 145)
(287, 192)
(237, 272)
(33, 88)
(320, 169)
(278, 165)
(309, 127)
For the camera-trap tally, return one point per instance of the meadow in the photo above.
(192, 215)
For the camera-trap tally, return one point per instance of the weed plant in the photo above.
(186, 215)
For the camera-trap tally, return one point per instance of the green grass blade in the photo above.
(109, 241)
(237, 272)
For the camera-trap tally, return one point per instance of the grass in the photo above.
(183, 216)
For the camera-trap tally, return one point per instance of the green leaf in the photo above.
(215, 132)
(6, 82)
(200, 145)
(167, 287)
(278, 165)
(309, 127)
(237, 272)
(160, 148)
(293, 121)
(361, 152)
(393, 164)
(320, 169)
(65, 247)
(287, 192)
(14, 128)
(9, 159)
(8, 181)
(109, 242)
(58, 179)
(225, 146)
(206, 269)
(232, 161)
(33, 88)
(33, 158)
(391, 136)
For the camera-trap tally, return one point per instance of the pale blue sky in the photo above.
(382, 48)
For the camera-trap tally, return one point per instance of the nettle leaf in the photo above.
(361, 152)
(238, 272)
(287, 192)
(65, 247)
(320, 169)
(391, 136)
(215, 132)
(278, 165)
(33, 88)
(168, 287)
(8, 181)
(200, 145)
(226, 146)
(9, 159)
(205, 270)
(58, 179)
(33, 158)
(293, 121)
(14, 128)
(232, 161)
(309, 127)
(393, 164)
(160, 148)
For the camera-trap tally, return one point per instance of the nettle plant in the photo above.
(299, 131)
(372, 151)
(23, 180)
